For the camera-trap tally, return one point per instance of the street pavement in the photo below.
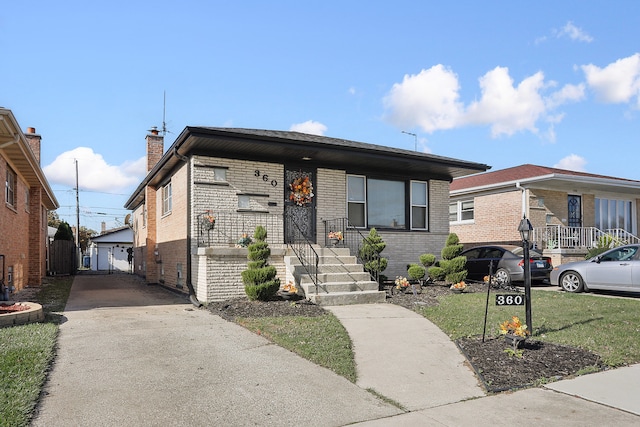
(130, 354)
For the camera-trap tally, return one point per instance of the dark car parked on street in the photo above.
(508, 263)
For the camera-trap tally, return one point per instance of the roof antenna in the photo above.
(164, 112)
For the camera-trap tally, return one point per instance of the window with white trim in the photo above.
(166, 199)
(419, 205)
(615, 213)
(387, 204)
(461, 211)
(10, 188)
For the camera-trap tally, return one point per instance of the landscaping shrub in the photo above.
(370, 251)
(260, 282)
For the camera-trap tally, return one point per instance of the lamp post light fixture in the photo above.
(525, 229)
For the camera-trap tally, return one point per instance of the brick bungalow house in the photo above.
(27, 199)
(214, 185)
(569, 210)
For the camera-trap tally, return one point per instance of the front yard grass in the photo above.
(606, 326)
(321, 339)
(26, 352)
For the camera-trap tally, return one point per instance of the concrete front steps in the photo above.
(341, 280)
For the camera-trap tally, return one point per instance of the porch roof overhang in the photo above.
(559, 182)
(300, 148)
(16, 149)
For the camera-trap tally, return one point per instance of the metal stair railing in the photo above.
(302, 247)
(353, 239)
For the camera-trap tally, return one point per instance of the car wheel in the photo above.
(503, 277)
(571, 282)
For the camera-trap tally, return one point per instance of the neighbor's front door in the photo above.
(300, 204)
(575, 211)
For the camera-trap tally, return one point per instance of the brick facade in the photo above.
(23, 223)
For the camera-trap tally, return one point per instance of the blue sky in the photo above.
(502, 83)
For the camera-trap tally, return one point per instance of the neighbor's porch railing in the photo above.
(352, 239)
(229, 228)
(561, 237)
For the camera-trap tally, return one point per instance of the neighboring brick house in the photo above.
(243, 177)
(26, 200)
(569, 210)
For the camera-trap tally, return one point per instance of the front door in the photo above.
(300, 204)
(575, 211)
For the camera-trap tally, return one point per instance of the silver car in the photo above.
(617, 269)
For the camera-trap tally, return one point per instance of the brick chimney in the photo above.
(34, 142)
(155, 148)
(103, 227)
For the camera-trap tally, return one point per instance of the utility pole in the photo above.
(77, 212)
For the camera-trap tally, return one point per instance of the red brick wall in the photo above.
(14, 230)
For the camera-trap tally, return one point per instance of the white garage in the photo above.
(112, 250)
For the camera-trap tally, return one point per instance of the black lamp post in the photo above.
(525, 231)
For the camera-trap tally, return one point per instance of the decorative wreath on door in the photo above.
(301, 191)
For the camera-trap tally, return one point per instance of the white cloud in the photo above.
(428, 99)
(94, 173)
(574, 33)
(618, 82)
(506, 108)
(568, 93)
(310, 127)
(572, 162)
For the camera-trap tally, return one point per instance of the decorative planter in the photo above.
(287, 294)
(457, 291)
(515, 341)
(334, 242)
(208, 225)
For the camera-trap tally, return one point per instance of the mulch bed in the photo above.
(13, 308)
(497, 370)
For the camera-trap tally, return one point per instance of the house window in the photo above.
(220, 174)
(10, 188)
(356, 200)
(613, 214)
(166, 199)
(419, 199)
(461, 211)
(382, 203)
(244, 202)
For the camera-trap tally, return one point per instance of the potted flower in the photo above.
(335, 237)
(288, 290)
(244, 241)
(208, 220)
(458, 287)
(515, 333)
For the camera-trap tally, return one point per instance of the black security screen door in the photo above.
(300, 203)
(575, 211)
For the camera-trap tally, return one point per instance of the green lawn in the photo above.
(601, 325)
(25, 355)
(592, 322)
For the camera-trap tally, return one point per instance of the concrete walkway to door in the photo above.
(136, 355)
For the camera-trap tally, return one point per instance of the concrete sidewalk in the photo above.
(406, 358)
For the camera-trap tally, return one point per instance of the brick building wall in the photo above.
(14, 223)
(496, 219)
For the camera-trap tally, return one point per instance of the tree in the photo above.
(53, 220)
(259, 278)
(64, 232)
(85, 235)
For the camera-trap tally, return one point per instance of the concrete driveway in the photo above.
(131, 354)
